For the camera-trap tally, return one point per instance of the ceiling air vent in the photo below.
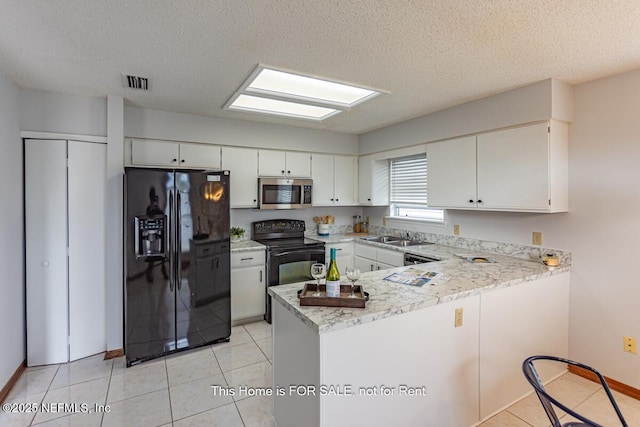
(135, 82)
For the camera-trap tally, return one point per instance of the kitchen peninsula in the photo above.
(447, 353)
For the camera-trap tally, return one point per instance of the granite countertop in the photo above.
(246, 246)
(459, 279)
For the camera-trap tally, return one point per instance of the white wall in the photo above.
(601, 229)
(61, 113)
(153, 124)
(12, 326)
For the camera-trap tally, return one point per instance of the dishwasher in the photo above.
(411, 259)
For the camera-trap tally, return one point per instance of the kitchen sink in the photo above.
(404, 243)
(382, 239)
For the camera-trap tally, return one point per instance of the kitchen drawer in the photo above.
(394, 258)
(365, 251)
(244, 259)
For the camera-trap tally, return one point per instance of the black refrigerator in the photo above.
(177, 261)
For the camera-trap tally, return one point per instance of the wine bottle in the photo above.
(333, 276)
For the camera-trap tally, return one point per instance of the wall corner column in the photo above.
(114, 265)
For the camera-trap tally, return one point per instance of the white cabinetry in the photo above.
(371, 258)
(344, 255)
(248, 290)
(451, 173)
(243, 165)
(335, 180)
(284, 163)
(149, 152)
(65, 202)
(522, 169)
(373, 181)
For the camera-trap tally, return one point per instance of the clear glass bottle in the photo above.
(333, 276)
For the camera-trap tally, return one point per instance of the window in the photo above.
(408, 196)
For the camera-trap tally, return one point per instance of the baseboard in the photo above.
(112, 354)
(14, 378)
(613, 384)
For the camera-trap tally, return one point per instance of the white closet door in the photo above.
(46, 251)
(87, 237)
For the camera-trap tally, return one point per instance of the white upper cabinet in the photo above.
(154, 153)
(521, 169)
(513, 169)
(200, 156)
(451, 169)
(243, 166)
(373, 181)
(335, 180)
(284, 163)
(345, 180)
(150, 152)
(322, 175)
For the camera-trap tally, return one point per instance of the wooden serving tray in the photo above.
(306, 296)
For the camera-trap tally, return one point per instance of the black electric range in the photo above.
(289, 253)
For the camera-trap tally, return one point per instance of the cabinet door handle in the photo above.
(337, 200)
(369, 200)
(479, 201)
(174, 160)
(182, 161)
(246, 259)
(282, 172)
(288, 172)
(371, 267)
(260, 276)
(470, 200)
(332, 200)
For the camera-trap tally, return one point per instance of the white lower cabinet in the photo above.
(248, 289)
(371, 258)
(65, 202)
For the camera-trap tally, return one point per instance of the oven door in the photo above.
(291, 266)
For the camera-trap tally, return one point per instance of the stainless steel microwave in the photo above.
(284, 193)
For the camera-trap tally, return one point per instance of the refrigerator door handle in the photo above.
(171, 243)
(178, 241)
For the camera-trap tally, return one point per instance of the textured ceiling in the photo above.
(429, 55)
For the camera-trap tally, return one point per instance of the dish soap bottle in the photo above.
(333, 276)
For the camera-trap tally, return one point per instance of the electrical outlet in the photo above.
(458, 320)
(384, 221)
(456, 229)
(537, 238)
(630, 345)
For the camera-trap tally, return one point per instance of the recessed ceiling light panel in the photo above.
(278, 107)
(284, 93)
(300, 87)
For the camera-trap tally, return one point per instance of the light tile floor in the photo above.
(586, 397)
(176, 390)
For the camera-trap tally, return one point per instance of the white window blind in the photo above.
(409, 180)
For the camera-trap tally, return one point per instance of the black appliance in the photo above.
(289, 253)
(177, 261)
